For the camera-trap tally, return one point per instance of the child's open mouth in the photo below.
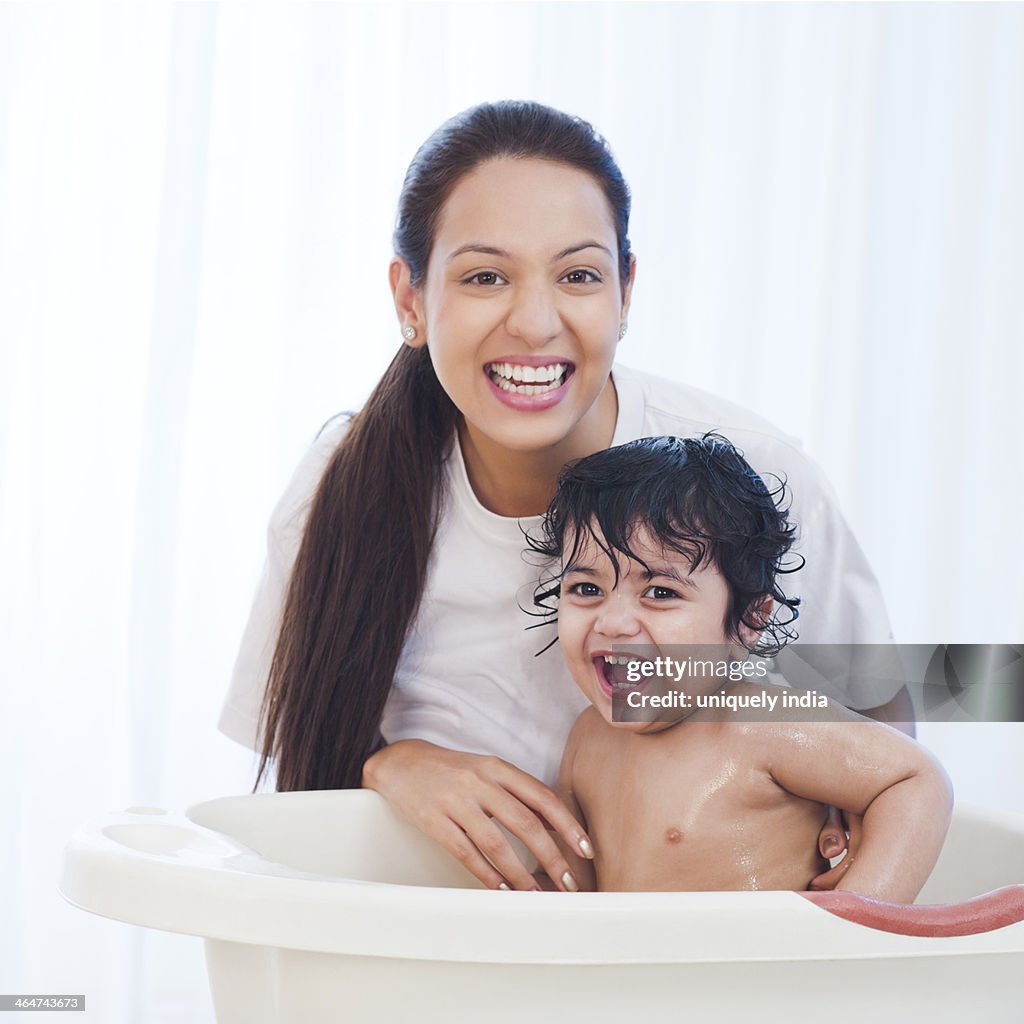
(613, 672)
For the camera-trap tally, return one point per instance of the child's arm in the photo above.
(582, 869)
(901, 790)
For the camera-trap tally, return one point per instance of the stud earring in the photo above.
(408, 333)
(622, 331)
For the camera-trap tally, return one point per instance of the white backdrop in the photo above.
(196, 205)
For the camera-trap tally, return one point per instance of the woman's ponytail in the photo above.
(356, 584)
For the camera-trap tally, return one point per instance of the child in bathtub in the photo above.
(670, 541)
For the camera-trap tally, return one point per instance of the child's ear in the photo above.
(760, 611)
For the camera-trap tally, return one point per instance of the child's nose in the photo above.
(617, 617)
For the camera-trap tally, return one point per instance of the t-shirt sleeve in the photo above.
(239, 717)
(841, 602)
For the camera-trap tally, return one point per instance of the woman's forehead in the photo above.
(528, 208)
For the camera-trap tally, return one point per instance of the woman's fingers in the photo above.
(855, 827)
(551, 810)
(526, 826)
(495, 848)
(852, 828)
(832, 837)
(831, 878)
(466, 852)
(452, 796)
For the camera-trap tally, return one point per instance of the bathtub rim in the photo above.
(198, 894)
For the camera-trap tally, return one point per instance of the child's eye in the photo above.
(660, 593)
(583, 589)
(581, 277)
(487, 278)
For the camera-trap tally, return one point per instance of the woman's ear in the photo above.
(627, 292)
(408, 303)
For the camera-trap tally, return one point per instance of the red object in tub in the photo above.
(995, 909)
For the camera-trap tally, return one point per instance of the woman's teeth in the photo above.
(528, 380)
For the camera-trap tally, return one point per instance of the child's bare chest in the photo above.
(692, 812)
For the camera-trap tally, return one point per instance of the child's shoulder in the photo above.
(587, 724)
(769, 718)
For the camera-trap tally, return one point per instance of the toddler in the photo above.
(670, 541)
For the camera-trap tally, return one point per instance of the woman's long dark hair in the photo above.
(362, 565)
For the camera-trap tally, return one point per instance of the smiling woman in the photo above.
(387, 646)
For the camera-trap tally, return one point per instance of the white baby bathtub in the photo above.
(324, 906)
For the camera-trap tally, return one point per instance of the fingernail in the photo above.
(570, 883)
(586, 849)
(831, 847)
(505, 886)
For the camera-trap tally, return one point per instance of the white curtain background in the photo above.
(196, 205)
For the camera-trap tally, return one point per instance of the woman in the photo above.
(387, 647)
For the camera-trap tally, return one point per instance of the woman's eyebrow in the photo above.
(491, 250)
(579, 248)
(487, 250)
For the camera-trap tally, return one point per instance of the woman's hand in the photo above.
(456, 798)
(841, 831)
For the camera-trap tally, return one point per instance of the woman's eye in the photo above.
(488, 278)
(584, 589)
(660, 593)
(581, 277)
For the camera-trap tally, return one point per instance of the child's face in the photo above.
(667, 606)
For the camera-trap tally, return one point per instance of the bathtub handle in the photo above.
(985, 913)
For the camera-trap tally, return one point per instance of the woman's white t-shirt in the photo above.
(470, 677)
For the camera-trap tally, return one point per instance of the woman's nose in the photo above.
(534, 316)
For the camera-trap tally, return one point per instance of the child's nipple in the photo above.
(673, 835)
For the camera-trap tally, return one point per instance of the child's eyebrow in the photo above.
(669, 572)
(585, 570)
(662, 571)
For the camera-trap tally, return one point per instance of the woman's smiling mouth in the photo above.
(529, 383)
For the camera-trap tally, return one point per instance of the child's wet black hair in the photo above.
(697, 496)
